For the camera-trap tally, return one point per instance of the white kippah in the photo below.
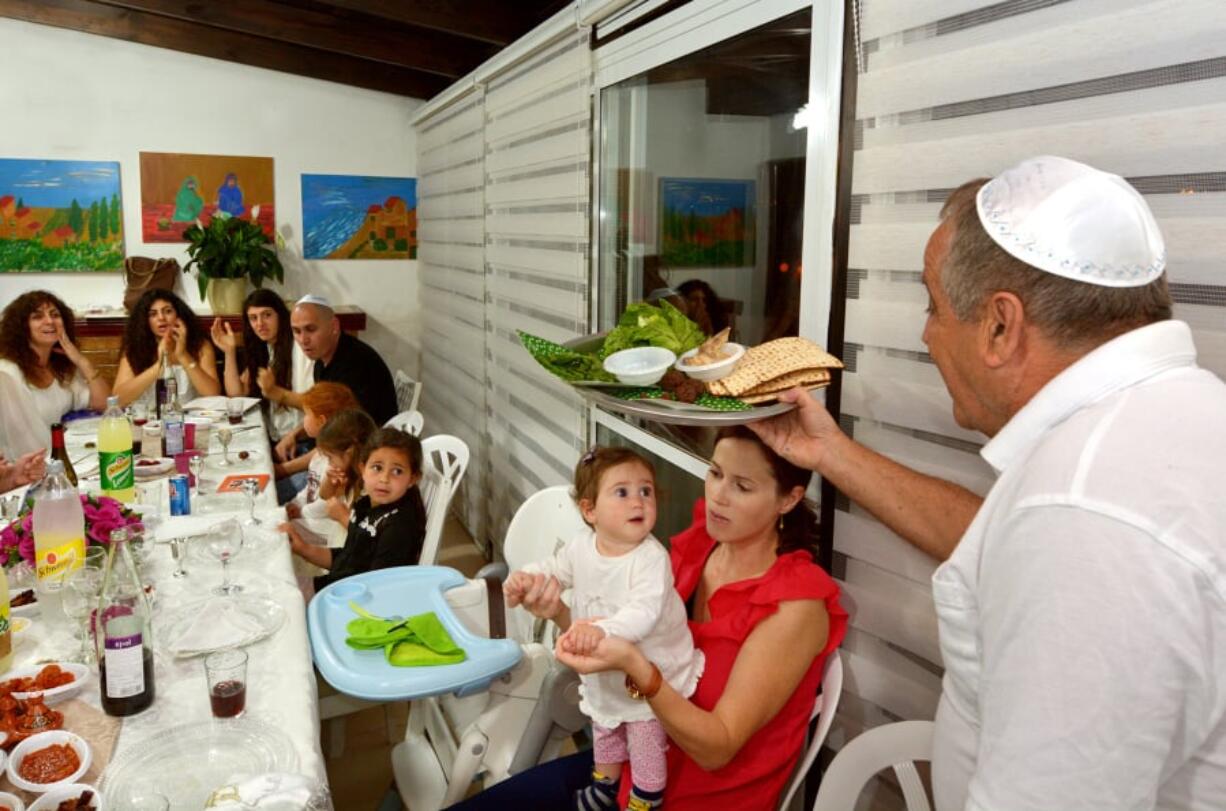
(1073, 220)
(311, 298)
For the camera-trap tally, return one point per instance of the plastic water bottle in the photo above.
(115, 463)
(59, 538)
(172, 421)
(6, 628)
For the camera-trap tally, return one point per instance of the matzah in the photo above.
(772, 360)
(754, 399)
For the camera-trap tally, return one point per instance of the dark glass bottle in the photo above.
(58, 451)
(125, 634)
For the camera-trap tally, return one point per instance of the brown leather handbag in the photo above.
(142, 273)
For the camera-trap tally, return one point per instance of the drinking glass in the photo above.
(223, 542)
(95, 558)
(80, 598)
(178, 550)
(251, 487)
(196, 465)
(140, 413)
(225, 673)
(224, 435)
(234, 410)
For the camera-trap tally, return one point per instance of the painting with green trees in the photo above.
(60, 215)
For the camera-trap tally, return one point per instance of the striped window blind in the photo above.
(959, 89)
(538, 147)
(451, 235)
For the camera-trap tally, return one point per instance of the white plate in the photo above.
(55, 695)
(269, 615)
(83, 427)
(12, 801)
(52, 799)
(27, 610)
(219, 404)
(41, 741)
(187, 762)
(215, 457)
(164, 465)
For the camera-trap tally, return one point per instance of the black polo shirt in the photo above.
(358, 366)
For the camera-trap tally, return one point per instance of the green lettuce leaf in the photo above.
(644, 324)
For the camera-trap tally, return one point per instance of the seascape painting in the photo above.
(60, 215)
(359, 217)
(177, 191)
(706, 223)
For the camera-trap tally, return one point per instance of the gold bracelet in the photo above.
(191, 366)
(648, 692)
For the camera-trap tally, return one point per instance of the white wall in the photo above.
(73, 95)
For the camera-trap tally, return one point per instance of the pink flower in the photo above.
(27, 523)
(8, 538)
(26, 548)
(92, 513)
(100, 530)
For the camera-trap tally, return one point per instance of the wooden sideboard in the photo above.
(99, 334)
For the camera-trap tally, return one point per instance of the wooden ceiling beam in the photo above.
(165, 32)
(498, 22)
(377, 41)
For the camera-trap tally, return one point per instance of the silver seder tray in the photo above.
(669, 412)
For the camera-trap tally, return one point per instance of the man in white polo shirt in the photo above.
(1082, 608)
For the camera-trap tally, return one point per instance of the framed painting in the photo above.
(706, 223)
(359, 217)
(60, 215)
(178, 191)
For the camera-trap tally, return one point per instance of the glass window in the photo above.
(702, 166)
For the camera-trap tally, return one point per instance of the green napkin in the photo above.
(418, 641)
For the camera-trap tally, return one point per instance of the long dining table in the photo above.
(281, 686)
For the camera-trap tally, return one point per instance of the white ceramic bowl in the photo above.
(13, 801)
(41, 741)
(51, 800)
(712, 371)
(640, 366)
(80, 674)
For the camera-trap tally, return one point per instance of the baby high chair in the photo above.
(507, 708)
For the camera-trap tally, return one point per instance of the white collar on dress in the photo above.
(1116, 365)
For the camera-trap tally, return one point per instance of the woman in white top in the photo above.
(38, 351)
(161, 324)
(271, 368)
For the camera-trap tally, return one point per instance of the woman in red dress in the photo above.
(762, 611)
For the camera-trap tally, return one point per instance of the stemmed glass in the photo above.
(251, 487)
(224, 435)
(195, 464)
(80, 597)
(178, 550)
(224, 541)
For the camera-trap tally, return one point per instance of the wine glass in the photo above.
(224, 541)
(196, 465)
(80, 598)
(224, 435)
(251, 488)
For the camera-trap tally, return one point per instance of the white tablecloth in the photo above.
(281, 686)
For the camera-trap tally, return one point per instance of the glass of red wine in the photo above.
(234, 410)
(226, 674)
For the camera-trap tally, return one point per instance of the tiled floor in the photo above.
(362, 775)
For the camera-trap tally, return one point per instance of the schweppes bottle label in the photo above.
(116, 470)
(54, 563)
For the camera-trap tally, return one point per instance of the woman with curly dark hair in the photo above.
(38, 351)
(274, 368)
(161, 328)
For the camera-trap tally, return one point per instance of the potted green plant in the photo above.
(225, 254)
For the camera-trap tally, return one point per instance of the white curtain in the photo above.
(960, 89)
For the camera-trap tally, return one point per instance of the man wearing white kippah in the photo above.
(1082, 603)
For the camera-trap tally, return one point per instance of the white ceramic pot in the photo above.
(226, 296)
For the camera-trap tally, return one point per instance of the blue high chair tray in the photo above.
(403, 591)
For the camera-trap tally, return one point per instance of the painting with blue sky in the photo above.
(60, 215)
(359, 217)
(706, 223)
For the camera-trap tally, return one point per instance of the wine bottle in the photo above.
(172, 420)
(58, 451)
(160, 389)
(124, 634)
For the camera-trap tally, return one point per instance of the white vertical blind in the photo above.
(451, 236)
(960, 89)
(538, 147)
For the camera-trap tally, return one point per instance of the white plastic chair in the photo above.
(410, 421)
(895, 745)
(444, 461)
(823, 710)
(408, 391)
(525, 717)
